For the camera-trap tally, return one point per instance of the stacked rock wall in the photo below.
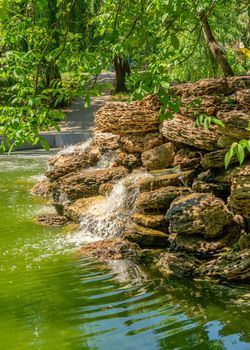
(187, 201)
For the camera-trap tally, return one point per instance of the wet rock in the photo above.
(121, 118)
(181, 129)
(68, 162)
(240, 191)
(41, 188)
(106, 141)
(146, 237)
(86, 183)
(111, 249)
(149, 220)
(164, 178)
(106, 188)
(177, 264)
(198, 213)
(187, 158)
(159, 157)
(236, 123)
(160, 198)
(51, 219)
(204, 248)
(234, 266)
(141, 143)
(82, 207)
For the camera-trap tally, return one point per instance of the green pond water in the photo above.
(50, 298)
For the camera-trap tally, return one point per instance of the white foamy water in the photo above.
(110, 218)
(73, 148)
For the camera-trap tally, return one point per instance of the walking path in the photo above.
(79, 121)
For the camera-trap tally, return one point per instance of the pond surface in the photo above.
(50, 298)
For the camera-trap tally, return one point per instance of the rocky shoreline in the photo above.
(160, 189)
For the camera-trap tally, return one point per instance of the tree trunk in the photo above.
(214, 47)
(122, 69)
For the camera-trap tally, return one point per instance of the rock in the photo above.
(106, 141)
(216, 159)
(121, 118)
(164, 178)
(149, 220)
(69, 162)
(208, 104)
(106, 188)
(181, 129)
(51, 219)
(225, 141)
(239, 199)
(208, 182)
(200, 214)
(244, 242)
(159, 157)
(212, 86)
(160, 198)
(243, 97)
(177, 264)
(204, 248)
(85, 183)
(234, 266)
(235, 123)
(129, 161)
(141, 143)
(187, 158)
(82, 207)
(41, 188)
(111, 249)
(146, 237)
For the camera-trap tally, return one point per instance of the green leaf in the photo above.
(45, 144)
(87, 101)
(207, 123)
(175, 41)
(240, 153)
(228, 157)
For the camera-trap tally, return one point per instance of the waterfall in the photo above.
(111, 216)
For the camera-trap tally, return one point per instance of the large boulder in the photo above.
(236, 123)
(73, 159)
(163, 178)
(216, 159)
(240, 191)
(85, 183)
(141, 143)
(198, 213)
(213, 86)
(182, 129)
(159, 157)
(159, 199)
(122, 118)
